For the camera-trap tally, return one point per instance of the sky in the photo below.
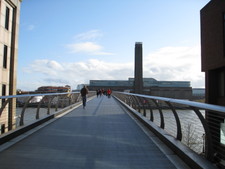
(70, 42)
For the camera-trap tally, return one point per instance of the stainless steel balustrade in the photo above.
(49, 101)
(185, 120)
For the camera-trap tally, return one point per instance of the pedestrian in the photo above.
(84, 92)
(109, 91)
(97, 92)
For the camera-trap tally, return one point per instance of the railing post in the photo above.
(49, 104)
(23, 110)
(130, 101)
(179, 132)
(57, 103)
(137, 105)
(151, 111)
(70, 100)
(143, 103)
(38, 108)
(133, 103)
(209, 150)
(162, 124)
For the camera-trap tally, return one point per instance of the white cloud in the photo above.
(169, 64)
(86, 43)
(90, 48)
(47, 67)
(175, 63)
(30, 27)
(90, 35)
(54, 73)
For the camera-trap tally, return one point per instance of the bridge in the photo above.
(122, 131)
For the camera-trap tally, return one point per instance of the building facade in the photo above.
(9, 30)
(148, 86)
(213, 64)
(171, 89)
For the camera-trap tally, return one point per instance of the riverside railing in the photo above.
(184, 120)
(28, 108)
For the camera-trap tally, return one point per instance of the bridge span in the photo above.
(103, 135)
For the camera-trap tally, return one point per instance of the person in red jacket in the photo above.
(109, 91)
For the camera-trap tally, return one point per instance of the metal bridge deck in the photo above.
(102, 136)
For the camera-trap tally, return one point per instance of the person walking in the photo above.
(84, 92)
(109, 91)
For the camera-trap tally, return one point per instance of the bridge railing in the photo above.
(184, 120)
(29, 108)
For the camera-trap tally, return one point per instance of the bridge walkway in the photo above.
(102, 136)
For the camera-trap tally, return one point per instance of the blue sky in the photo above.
(73, 41)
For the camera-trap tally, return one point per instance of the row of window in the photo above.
(5, 54)
(5, 48)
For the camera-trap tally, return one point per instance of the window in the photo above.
(7, 11)
(221, 82)
(5, 54)
(3, 92)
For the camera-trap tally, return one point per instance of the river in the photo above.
(192, 129)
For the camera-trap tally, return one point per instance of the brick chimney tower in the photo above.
(138, 75)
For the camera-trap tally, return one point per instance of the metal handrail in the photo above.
(184, 102)
(212, 151)
(29, 95)
(70, 97)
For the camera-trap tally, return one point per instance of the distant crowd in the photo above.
(101, 92)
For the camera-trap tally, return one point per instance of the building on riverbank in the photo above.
(171, 89)
(213, 64)
(9, 32)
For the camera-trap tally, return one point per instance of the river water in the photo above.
(192, 129)
(30, 114)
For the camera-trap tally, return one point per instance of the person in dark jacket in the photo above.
(84, 92)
